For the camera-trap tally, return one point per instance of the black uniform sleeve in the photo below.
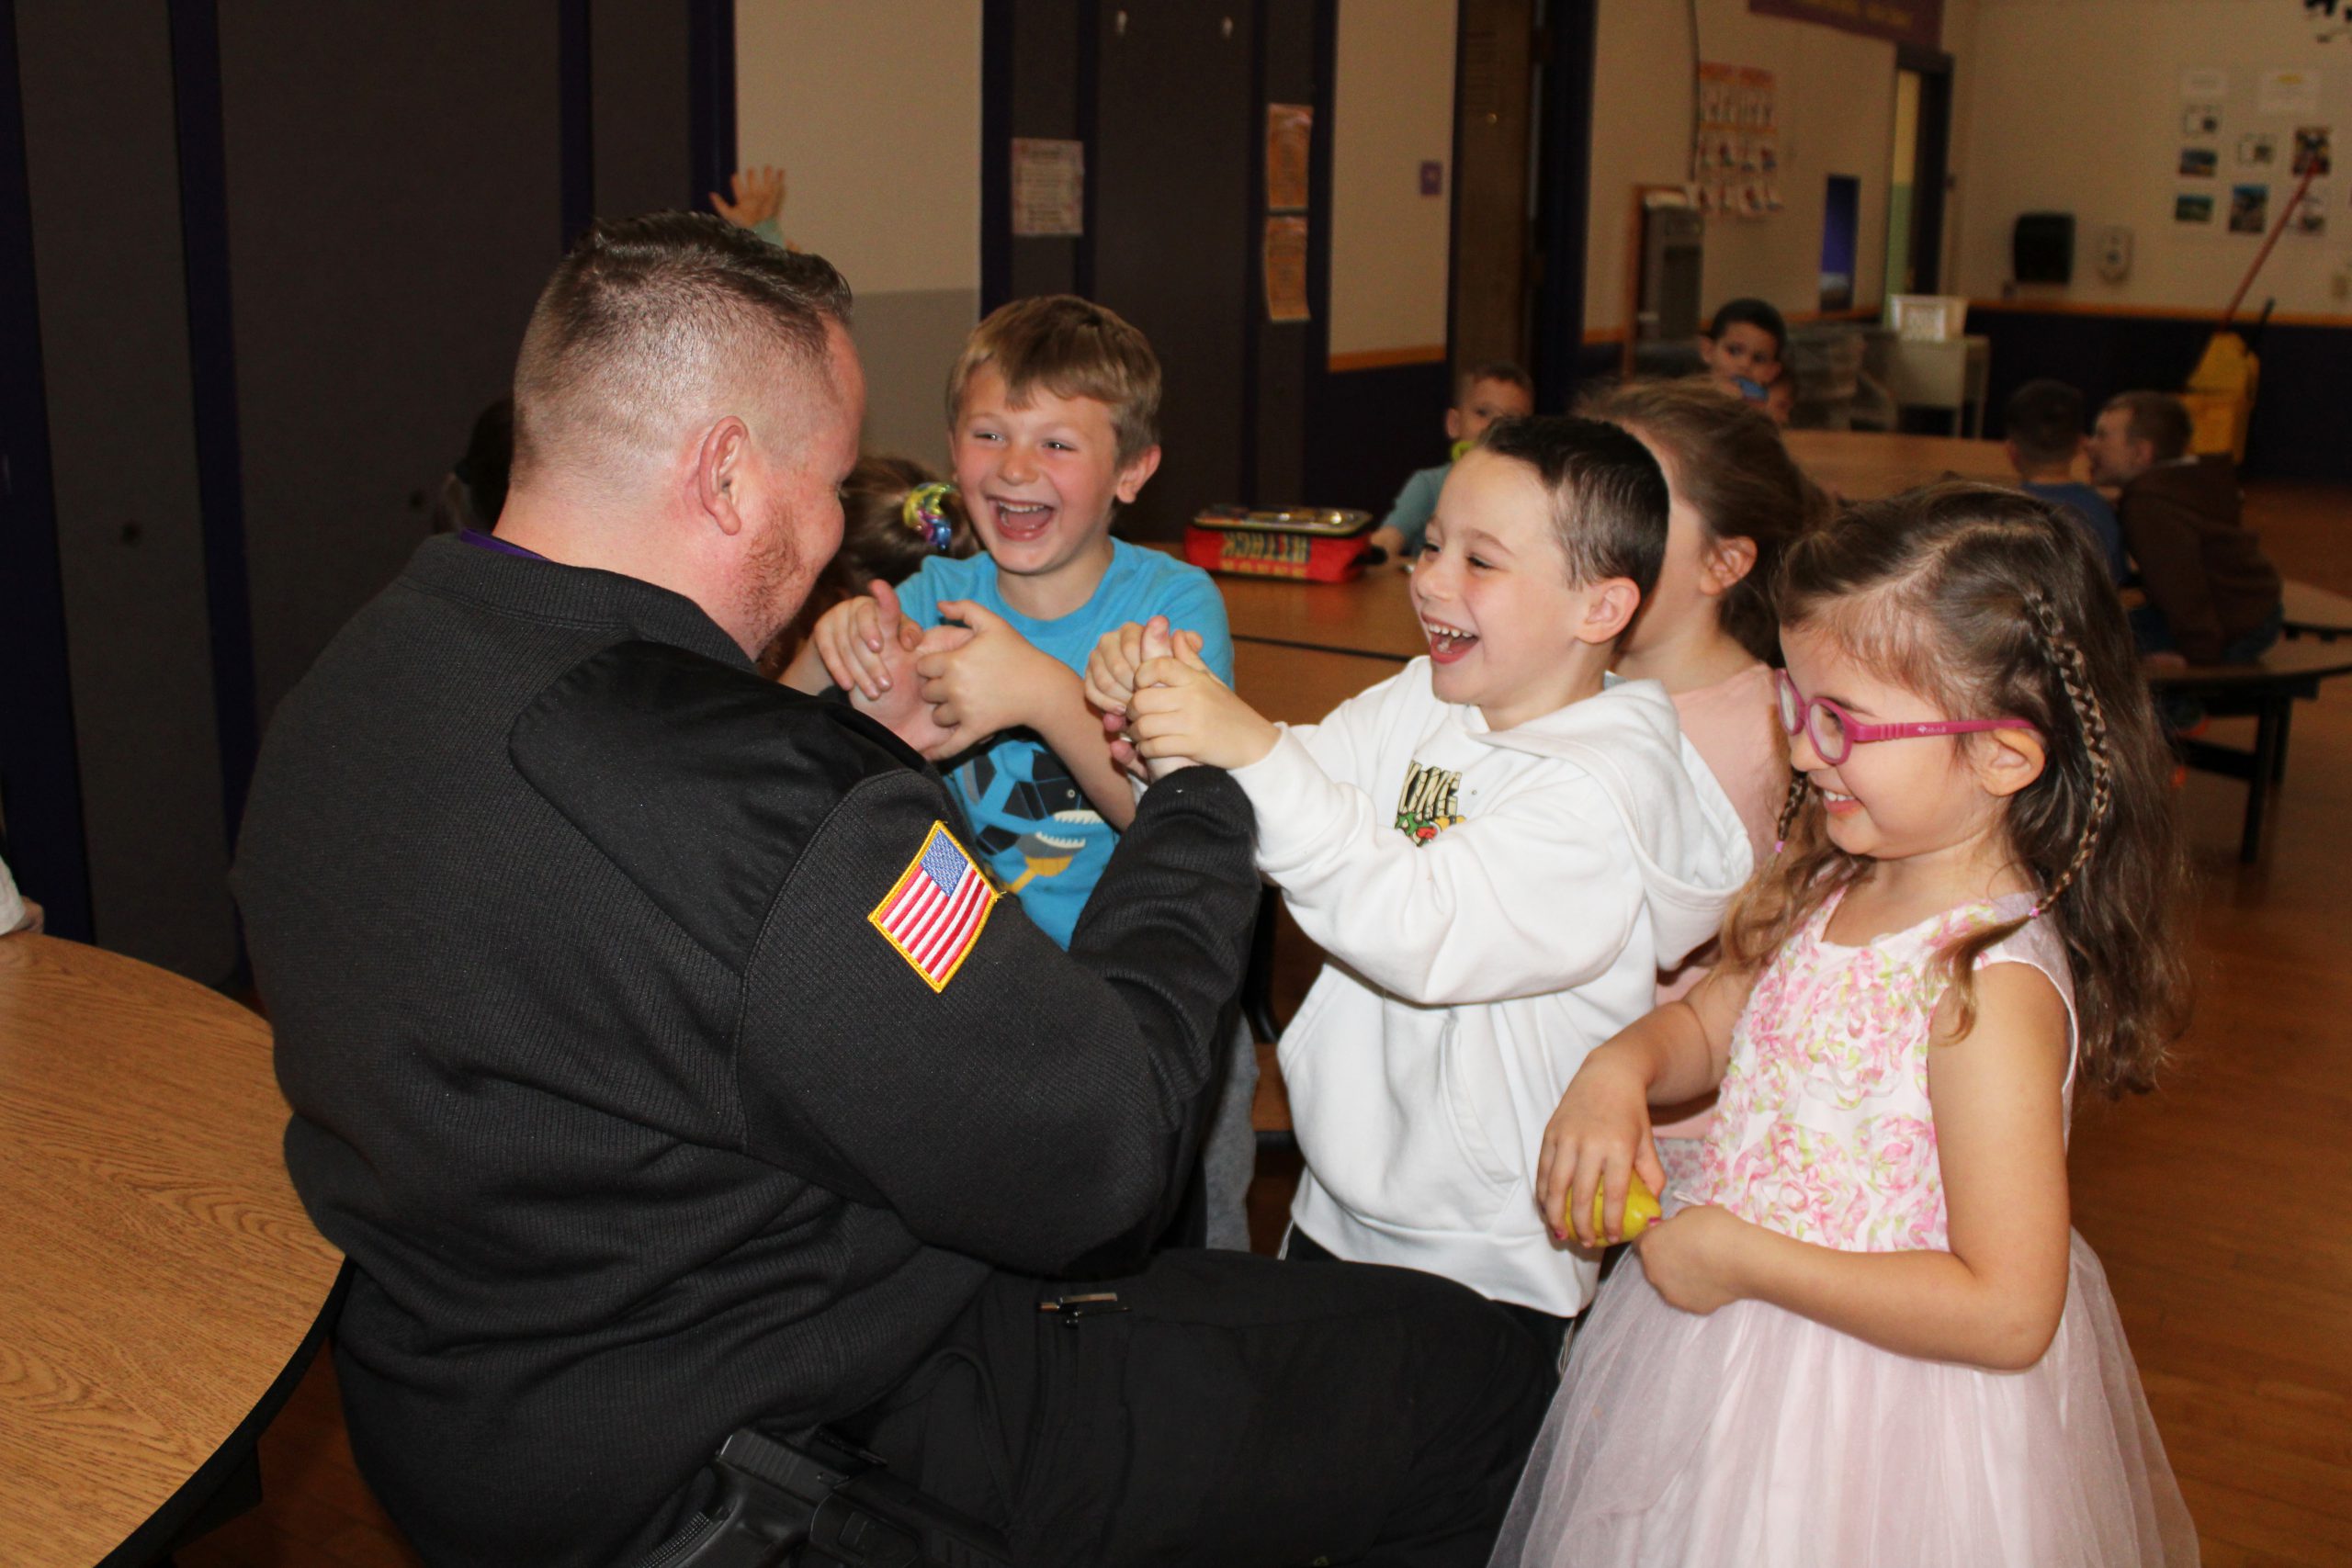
(1038, 1108)
(1032, 1107)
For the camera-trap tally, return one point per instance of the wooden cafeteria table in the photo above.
(161, 1289)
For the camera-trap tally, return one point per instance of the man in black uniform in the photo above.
(664, 1064)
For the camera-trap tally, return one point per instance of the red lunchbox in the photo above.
(1309, 544)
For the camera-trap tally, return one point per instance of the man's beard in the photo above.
(776, 580)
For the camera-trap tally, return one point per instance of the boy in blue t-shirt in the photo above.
(2043, 420)
(1052, 409)
(1483, 394)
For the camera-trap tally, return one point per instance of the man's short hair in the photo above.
(2157, 418)
(1757, 313)
(1501, 371)
(2044, 420)
(654, 321)
(1609, 496)
(1072, 348)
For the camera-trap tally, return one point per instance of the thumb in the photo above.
(1155, 637)
(978, 617)
(1188, 652)
(887, 597)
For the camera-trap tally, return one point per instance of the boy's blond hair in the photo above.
(1073, 348)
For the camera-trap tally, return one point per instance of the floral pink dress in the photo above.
(1753, 1435)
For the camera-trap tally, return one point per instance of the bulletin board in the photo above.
(2243, 134)
(1735, 143)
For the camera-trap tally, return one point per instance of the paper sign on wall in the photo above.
(2287, 91)
(1735, 151)
(1048, 187)
(1286, 269)
(1289, 132)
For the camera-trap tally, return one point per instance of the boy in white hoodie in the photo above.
(1498, 848)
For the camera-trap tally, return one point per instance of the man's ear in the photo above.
(1609, 606)
(1727, 562)
(2013, 760)
(1133, 475)
(720, 459)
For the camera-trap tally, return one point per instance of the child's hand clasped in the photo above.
(1693, 1259)
(1179, 708)
(1110, 668)
(994, 680)
(859, 654)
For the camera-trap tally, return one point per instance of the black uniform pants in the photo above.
(1238, 1412)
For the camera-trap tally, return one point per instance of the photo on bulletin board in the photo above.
(2192, 207)
(2249, 209)
(2310, 216)
(2257, 150)
(2311, 150)
(2199, 163)
(2200, 120)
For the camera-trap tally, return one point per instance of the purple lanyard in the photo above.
(480, 540)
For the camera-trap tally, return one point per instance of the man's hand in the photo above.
(994, 680)
(1110, 668)
(901, 709)
(1181, 709)
(859, 654)
(759, 195)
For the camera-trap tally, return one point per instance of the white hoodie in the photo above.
(1519, 921)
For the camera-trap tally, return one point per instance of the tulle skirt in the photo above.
(1753, 1435)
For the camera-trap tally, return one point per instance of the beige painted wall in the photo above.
(873, 107)
(1836, 95)
(1393, 110)
(2074, 105)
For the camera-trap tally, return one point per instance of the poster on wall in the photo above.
(2205, 82)
(2310, 215)
(1286, 269)
(2287, 91)
(2257, 150)
(2249, 209)
(2200, 120)
(1048, 187)
(1919, 22)
(1736, 147)
(2199, 163)
(2311, 153)
(2192, 207)
(1290, 130)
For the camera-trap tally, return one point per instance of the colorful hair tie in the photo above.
(924, 510)
(1461, 448)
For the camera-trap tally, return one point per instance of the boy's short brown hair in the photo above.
(1501, 371)
(1073, 348)
(2044, 420)
(1609, 496)
(2157, 418)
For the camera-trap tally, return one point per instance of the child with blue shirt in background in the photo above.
(1483, 394)
(2044, 424)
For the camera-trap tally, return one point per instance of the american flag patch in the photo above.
(934, 913)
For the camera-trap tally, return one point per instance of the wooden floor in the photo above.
(2221, 1204)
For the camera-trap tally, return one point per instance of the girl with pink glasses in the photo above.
(1870, 1336)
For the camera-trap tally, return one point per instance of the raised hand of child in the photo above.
(1597, 1138)
(759, 195)
(1181, 709)
(867, 644)
(902, 711)
(996, 680)
(1110, 668)
(1698, 1260)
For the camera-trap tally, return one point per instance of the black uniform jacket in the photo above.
(640, 1109)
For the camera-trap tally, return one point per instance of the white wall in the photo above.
(1836, 95)
(2075, 106)
(873, 107)
(1392, 110)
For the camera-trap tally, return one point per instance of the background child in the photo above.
(1707, 631)
(1877, 1340)
(1498, 850)
(1483, 394)
(2213, 596)
(2045, 421)
(888, 532)
(1743, 348)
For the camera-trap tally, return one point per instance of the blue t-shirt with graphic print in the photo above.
(1034, 826)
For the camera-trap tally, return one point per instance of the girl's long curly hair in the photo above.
(1990, 603)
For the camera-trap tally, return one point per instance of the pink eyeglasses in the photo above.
(1835, 732)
